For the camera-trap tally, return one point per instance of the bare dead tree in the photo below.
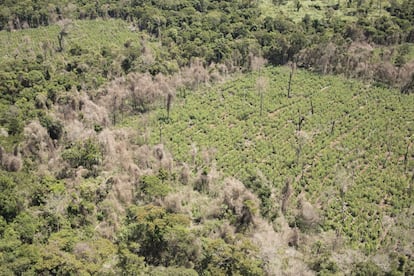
(256, 64)
(114, 107)
(301, 138)
(194, 75)
(144, 91)
(344, 179)
(406, 157)
(261, 85)
(1, 154)
(63, 32)
(292, 71)
(311, 106)
(300, 122)
(167, 87)
(169, 102)
(286, 193)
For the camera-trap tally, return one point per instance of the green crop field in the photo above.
(184, 137)
(355, 140)
(93, 34)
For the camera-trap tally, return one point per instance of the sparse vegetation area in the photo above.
(206, 137)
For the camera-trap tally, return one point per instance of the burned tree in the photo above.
(286, 193)
(292, 71)
(311, 106)
(301, 120)
(332, 126)
(169, 102)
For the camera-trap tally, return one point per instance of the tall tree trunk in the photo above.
(261, 102)
(311, 105)
(293, 66)
(169, 102)
(332, 127)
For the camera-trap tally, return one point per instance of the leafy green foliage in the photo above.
(163, 238)
(10, 203)
(152, 186)
(87, 154)
(27, 226)
(238, 258)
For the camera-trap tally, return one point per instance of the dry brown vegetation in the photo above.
(357, 59)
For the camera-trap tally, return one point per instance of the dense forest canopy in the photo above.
(202, 137)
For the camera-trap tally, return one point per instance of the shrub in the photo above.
(202, 184)
(221, 258)
(152, 186)
(10, 202)
(367, 268)
(162, 238)
(87, 154)
(26, 226)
